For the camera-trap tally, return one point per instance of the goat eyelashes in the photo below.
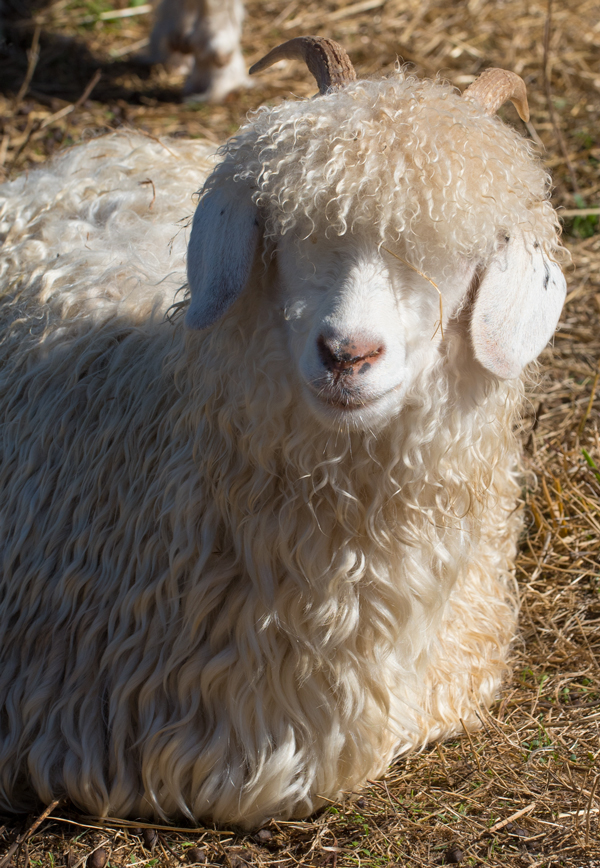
(252, 555)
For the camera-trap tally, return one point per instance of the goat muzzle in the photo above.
(348, 356)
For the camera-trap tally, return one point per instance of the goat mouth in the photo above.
(344, 404)
(338, 403)
(340, 399)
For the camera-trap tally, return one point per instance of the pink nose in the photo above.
(349, 355)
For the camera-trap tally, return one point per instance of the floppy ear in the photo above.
(517, 307)
(223, 241)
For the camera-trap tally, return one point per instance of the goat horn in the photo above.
(494, 87)
(326, 60)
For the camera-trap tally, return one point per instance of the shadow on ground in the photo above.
(66, 65)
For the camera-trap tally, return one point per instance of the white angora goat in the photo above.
(248, 560)
(207, 32)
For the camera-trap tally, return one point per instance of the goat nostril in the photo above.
(326, 354)
(344, 356)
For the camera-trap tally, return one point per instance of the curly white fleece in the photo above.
(210, 604)
(410, 157)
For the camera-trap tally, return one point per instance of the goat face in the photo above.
(361, 323)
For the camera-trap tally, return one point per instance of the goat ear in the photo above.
(223, 241)
(517, 307)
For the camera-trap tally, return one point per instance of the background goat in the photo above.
(203, 37)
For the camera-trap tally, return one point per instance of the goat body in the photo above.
(202, 37)
(247, 563)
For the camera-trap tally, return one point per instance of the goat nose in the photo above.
(348, 355)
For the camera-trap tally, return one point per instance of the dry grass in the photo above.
(525, 791)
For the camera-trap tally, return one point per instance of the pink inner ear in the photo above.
(517, 307)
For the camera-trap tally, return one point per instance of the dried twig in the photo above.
(33, 57)
(63, 112)
(22, 838)
(517, 814)
(440, 325)
(548, 89)
(589, 810)
(151, 182)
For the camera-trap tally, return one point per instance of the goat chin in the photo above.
(352, 412)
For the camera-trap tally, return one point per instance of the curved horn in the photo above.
(494, 87)
(326, 60)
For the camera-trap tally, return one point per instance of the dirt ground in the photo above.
(524, 791)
